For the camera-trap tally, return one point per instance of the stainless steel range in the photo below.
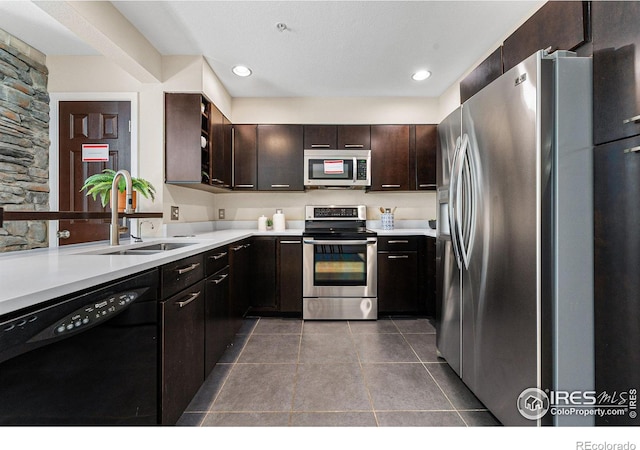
(340, 270)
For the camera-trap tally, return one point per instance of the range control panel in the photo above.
(332, 212)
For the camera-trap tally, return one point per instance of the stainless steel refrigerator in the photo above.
(515, 236)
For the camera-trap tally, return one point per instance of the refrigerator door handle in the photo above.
(453, 201)
(464, 217)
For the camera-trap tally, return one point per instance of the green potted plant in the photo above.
(100, 184)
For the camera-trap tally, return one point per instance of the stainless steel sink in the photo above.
(150, 249)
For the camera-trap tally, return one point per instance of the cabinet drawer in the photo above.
(398, 244)
(180, 274)
(215, 260)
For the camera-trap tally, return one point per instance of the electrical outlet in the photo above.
(175, 213)
(221, 213)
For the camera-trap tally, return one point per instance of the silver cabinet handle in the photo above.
(289, 242)
(238, 247)
(187, 269)
(190, 298)
(247, 245)
(244, 186)
(632, 149)
(395, 186)
(404, 241)
(320, 146)
(427, 185)
(398, 257)
(279, 185)
(220, 280)
(218, 256)
(337, 242)
(353, 146)
(63, 234)
(631, 120)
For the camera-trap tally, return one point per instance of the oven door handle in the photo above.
(338, 242)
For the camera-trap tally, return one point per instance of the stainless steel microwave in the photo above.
(337, 168)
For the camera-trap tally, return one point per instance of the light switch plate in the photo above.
(175, 213)
(221, 213)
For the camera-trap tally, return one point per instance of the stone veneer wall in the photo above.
(24, 142)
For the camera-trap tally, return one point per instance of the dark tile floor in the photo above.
(288, 372)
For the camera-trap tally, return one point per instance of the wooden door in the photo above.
(426, 147)
(390, 157)
(89, 123)
(280, 158)
(245, 157)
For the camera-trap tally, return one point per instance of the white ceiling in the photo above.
(329, 49)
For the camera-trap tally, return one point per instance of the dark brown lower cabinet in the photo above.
(240, 257)
(616, 271)
(290, 275)
(182, 350)
(263, 274)
(427, 269)
(218, 328)
(398, 275)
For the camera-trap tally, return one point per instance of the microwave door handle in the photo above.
(354, 169)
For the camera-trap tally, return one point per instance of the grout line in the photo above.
(233, 366)
(295, 377)
(364, 378)
(445, 395)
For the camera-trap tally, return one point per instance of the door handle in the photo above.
(218, 256)
(63, 234)
(221, 279)
(190, 298)
(452, 202)
(631, 120)
(187, 269)
(337, 242)
(464, 147)
(398, 257)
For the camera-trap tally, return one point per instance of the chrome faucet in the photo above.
(115, 228)
(138, 238)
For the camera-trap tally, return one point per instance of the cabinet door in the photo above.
(397, 282)
(239, 282)
(290, 274)
(616, 262)
(217, 147)
(263, 274)
(183, 151)
(320, 136)
(245, 158)
(616, 74)
(182, 365)
(227, 152)
(218, 332)
(561, 25)
(390, 157)
(354, 136)
(426, 148)
(280, 158)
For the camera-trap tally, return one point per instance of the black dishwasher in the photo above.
(86, 359)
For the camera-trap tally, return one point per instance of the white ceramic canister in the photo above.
(262, 223)
(278, 221)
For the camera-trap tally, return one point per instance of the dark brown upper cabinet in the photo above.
(221, 158)
(320, 136)
(186, 129)
(245, 157)
(390, 161)
(560, 25)
(487, 71)
(280, 158)
(354, 136)
(426, 145)
(616, 70)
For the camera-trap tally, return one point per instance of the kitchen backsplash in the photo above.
(420, 205)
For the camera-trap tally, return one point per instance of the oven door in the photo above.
(340, 267)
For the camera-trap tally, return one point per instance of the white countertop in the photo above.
(30, 277)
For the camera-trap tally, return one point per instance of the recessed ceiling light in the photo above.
(241, 71)
(421, 75)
